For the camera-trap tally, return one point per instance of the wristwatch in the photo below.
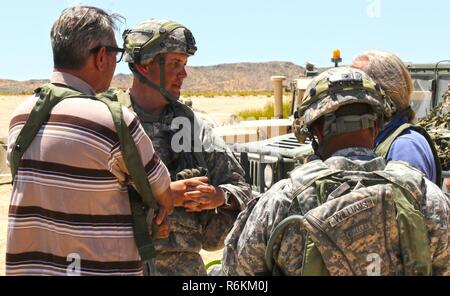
(227, 198)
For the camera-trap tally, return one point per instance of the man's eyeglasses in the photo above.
(119, 51)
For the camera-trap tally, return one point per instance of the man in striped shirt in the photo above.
(70, 211)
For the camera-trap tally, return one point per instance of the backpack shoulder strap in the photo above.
(129, 151)
(384, 147)
(123, 97)
(406, 177)
(49, 96)
(142, 198)
(413, 234)
(304, 176)
(437, 161)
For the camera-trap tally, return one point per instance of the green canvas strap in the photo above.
(129, 151)
(413, 234)
(49, 96)
(383, 148)
(123, 97)
(138, 202)
(313, 264)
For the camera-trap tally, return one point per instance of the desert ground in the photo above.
(219, 108)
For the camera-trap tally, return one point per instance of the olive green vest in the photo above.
(383, 148)
(141, 199)
(196, 160)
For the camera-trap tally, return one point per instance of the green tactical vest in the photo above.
(326, 237)
(141, 199)
(383, 148)
(197, 160)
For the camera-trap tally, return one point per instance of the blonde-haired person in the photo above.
(399, 140)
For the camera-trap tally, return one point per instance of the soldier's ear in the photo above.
(144, 69)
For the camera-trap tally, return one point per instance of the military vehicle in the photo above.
(268, 161)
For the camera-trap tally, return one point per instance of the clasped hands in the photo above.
(195, 195)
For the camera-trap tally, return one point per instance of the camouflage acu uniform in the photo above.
(190, 232)
(246, 244)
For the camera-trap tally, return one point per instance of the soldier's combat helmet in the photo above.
(151, 37)
(330, 91)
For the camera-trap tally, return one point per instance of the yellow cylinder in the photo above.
(278, 95)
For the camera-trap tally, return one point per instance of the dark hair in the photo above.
(79, 29)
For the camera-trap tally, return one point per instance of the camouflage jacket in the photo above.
(191, 232)
(246, 244)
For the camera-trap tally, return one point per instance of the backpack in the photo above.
(142, 201)
(362, 224)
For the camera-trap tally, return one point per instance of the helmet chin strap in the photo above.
(164, 92)
(318, 149)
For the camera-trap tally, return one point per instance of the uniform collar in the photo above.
(72, 81)
(164, 117)
(395, 122)
(356, 158)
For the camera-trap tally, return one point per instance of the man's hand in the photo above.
(165, 201)
(179, 188)
(204, 197)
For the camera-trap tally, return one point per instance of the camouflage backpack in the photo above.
(361, 223)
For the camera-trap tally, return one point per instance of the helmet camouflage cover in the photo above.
(149, 38)
(335, 88)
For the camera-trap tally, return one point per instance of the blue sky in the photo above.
(229, 31)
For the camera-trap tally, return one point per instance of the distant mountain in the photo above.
(19, 87)
(218, 78)
(239, 76)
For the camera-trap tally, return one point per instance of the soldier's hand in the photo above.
(163, 230)
(179, 188)
(204, 197)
